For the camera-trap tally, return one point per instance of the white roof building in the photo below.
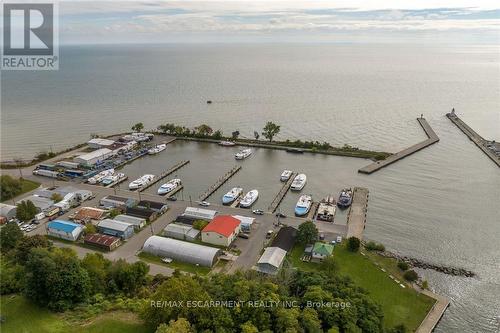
(182, 232)
(199, 213)
(40, 202)
(246, 221)
(271, 260)
(94, 157)
(99, 143)
(137, 222)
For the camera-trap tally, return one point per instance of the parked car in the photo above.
(339, 239)
(281, 215)
(269, 234)
(242, 235)
(258, 212)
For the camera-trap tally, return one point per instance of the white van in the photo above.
(39, 216)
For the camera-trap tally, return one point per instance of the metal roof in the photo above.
(65, 226)
(130, 219)
(114, 225)
(95, 154)
(101, 239)
(273, 256)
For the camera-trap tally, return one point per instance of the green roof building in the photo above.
(321, 251)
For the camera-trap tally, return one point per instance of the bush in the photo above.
(425, 285)
(410, 275)
(372, 246)
(403, 266)
(353, 244)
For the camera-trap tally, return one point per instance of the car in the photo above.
(321, 237)
(269, 234)
(242, 235)
(339, 239)
(172, 199)
(333, 242)
(281, 215)
(258, 212)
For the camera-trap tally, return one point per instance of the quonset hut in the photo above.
(181, 251)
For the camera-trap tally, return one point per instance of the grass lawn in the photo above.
(182, 266)
(400, 305)
(22, 316)
(26, 186)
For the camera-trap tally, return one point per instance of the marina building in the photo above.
(156, 206)
(221, 231)
(143, 213)
(98, 143)
(199, 213)
(64, 229)
(93, 158)
(106, 242)
(182, 232)
(271, 260)
(40, 203)
(116, 228)
(137, 222)
(113, 201)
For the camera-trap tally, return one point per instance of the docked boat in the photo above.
(327, 209)
(303, 205)
(112, 178)
(242, 154)
(345, 198)
(285, 175)
(169, 186)
(249, 199)
(100, 176)
(157, 149)
(141, 182)
(299, 182)
(232, 195)
(227, 143)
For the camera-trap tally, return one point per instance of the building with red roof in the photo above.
(103, 241)
(221, 231)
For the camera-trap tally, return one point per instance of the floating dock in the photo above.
(165, 174)
(281, 194)
(219, 182)
(356, 218)
(474, 137)
(431, 139)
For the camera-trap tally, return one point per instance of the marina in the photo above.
(356, 218)
(165, 174)
(281, 194)
(219, 183)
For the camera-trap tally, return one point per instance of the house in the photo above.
(221, 231)
(7, 211)
(137, 222)
(271, 260)
(113, 201)
(64, 229)
(98, 143)
(199, 213)
(182, 232)
(116, 228)
(246, 222)
(182, 251)
(285, 238)
(106, 242)
(89, 214)
(156, 206)
(40, 203)
(143, 213)
(93, 158)
(320, 251)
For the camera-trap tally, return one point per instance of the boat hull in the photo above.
(301, 211)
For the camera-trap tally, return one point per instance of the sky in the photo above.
(108, 22)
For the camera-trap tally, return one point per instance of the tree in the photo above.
(27, 243)
(204, 130)
(26, 210)
(138, 127)
(180, 325)
(56, 197)
(10, 235)
(97, 268)
(256, 135)
(90, 229)
(217, 135)
(248, 327)
(410, 275)
(307, 233)
(403, 266)
(309, 321)
(129, 277)
(235, 135)
(199, 224)
(270, 130)
(353, 244)
(167, 128)
(287, 320)
(9, 187)
(425, 285)
(329, 265)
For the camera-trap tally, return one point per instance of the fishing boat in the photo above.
(169, 186)
(112, 178)
(303, 205)
(100, 176)
(242, 154)
(249, 199)
(232, 195)
(299, 182)
(285, 175)
(327, 209)
(157, 149)
(345, 198)
(227, 143)
(141, 182)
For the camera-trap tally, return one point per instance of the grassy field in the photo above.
(21, 316)
(400, 305)
(182, 266)
(26, 186)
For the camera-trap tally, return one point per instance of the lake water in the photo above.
(441, 204)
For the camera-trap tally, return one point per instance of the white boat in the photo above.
(232, 195)
(227, 143)
(299, 182)
(249, 198)
(169, 186)
(242, 154)
(157, 149)
(285, 175)
(112, 178)
(100, 176)
(141, 182)
(303, 205)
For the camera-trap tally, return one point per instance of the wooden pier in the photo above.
(219, 183)
(171, 193)
(236, 202)
(474, 137)
(312, 212)
(165, 174)
(356, 218)
(431, 139)
(281, 194)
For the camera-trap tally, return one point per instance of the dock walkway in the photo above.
(434, 315)
(165, 174)
(281, 194)
(219, 183)
(356, 218)
(431, 139)
(474, 137)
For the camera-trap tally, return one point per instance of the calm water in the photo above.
(440, 204)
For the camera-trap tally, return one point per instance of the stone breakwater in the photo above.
(455, 271)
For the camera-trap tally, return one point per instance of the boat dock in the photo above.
(312, 212)
(474, 137)
(431, 139)
(165, 174)
(117, 182)
(174, 191)
(281, 194)
(435, 314)
(356, 218)
(236, 202)
(219, 182)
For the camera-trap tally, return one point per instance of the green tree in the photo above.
(167, 128)
(217, 135)
(56, 197)
(138, 127)
(270, 130)
(353, 244)
(287, 320)
(425, 285)
(329, 265)
(403, 266)
(26, 210)
(97, 268)
(129, 277)
(204, 130)
(199, 224)
(309, 321)
(235, 135)
(248, 327)
(9, 187)
(10, 235)
(27, 243)
(11, 277)
(410, 275)
(180, 325)
(307, 233)
(90, 229)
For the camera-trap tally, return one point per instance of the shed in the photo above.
(137, 222)
(271, 260)
(156, 206)
(64, 229)
(113, 201)
(115, 228)
(8, 211)
(285, 238)
(181, 251)
(181, 232)
(103, 241)
(143, 213)
(321, 251)
(246, 222)
(221, 231)
(199, 213)
(86, 214)
(40, 203)
(93, 158)
(97, 143)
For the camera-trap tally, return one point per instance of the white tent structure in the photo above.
(182, 251)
